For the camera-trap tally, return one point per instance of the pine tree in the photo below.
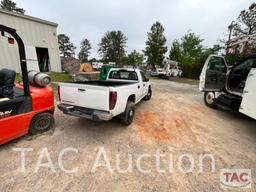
(246, 22)
(175, 53)
(112, 46)
(66, 48)
(155, 45)
(11, 6)
(84, 51)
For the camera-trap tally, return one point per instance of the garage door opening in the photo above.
(43, 59)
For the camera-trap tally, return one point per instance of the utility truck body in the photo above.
(230, 87)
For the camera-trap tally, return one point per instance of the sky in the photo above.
(90, 19)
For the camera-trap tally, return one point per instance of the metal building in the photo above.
(40, 39)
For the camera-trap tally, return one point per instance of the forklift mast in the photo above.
(22, 55)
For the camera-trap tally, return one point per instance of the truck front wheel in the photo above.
(128, 115)
(209, 99)
(41, 123)
(149, 94)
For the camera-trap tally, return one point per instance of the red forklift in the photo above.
(24, 107)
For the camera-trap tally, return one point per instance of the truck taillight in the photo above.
(59, 93)
(112, 99)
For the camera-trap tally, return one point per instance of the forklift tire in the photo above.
(148, 96)
(208, 99)
(128, 115)
(41, 123)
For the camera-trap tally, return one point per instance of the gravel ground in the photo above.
(174, 123)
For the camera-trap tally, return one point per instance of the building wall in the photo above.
(36, 33)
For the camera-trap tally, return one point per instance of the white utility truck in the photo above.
(103, 100)
(170, 69)
(230, 87)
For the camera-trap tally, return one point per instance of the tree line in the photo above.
(188, 50)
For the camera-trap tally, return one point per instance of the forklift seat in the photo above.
(7, 78)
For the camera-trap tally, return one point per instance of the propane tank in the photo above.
(38, 78)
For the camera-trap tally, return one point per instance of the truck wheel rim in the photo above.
(149, 92)
(131, 113)
(42, 124)
(209, 97)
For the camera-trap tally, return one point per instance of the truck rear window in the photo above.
(125, 75)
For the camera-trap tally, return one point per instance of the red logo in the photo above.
(235, 178)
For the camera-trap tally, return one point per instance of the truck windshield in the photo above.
(124, 75)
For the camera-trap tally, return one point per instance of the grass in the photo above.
(56, 77)
(18, 77)
(60, 77)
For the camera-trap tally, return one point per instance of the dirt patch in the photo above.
(150, 125)
(178, 122)
(169, 124)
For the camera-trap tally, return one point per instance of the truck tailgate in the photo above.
(88, 96)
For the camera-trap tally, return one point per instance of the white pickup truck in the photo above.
(103, 100)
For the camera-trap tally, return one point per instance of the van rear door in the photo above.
(248, 105)
(213, 75)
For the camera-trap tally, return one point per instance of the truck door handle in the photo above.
(138, 86)
(81, 90)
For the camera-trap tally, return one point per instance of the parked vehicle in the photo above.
(157, 72)
(27, 106)
(103, 100)
(170, 69)
(230, 87)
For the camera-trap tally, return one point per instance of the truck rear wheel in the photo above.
(209, 99)
(41, 123)
(128, 115)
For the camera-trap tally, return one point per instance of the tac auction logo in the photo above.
(235, 178)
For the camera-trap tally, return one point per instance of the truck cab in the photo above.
(230, 87)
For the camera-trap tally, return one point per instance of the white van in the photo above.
(230, 87)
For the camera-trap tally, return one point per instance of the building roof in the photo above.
(28, 17)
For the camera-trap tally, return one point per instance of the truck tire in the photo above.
(128, 115)
(148, 96)
(208, 99)
(41, 123)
